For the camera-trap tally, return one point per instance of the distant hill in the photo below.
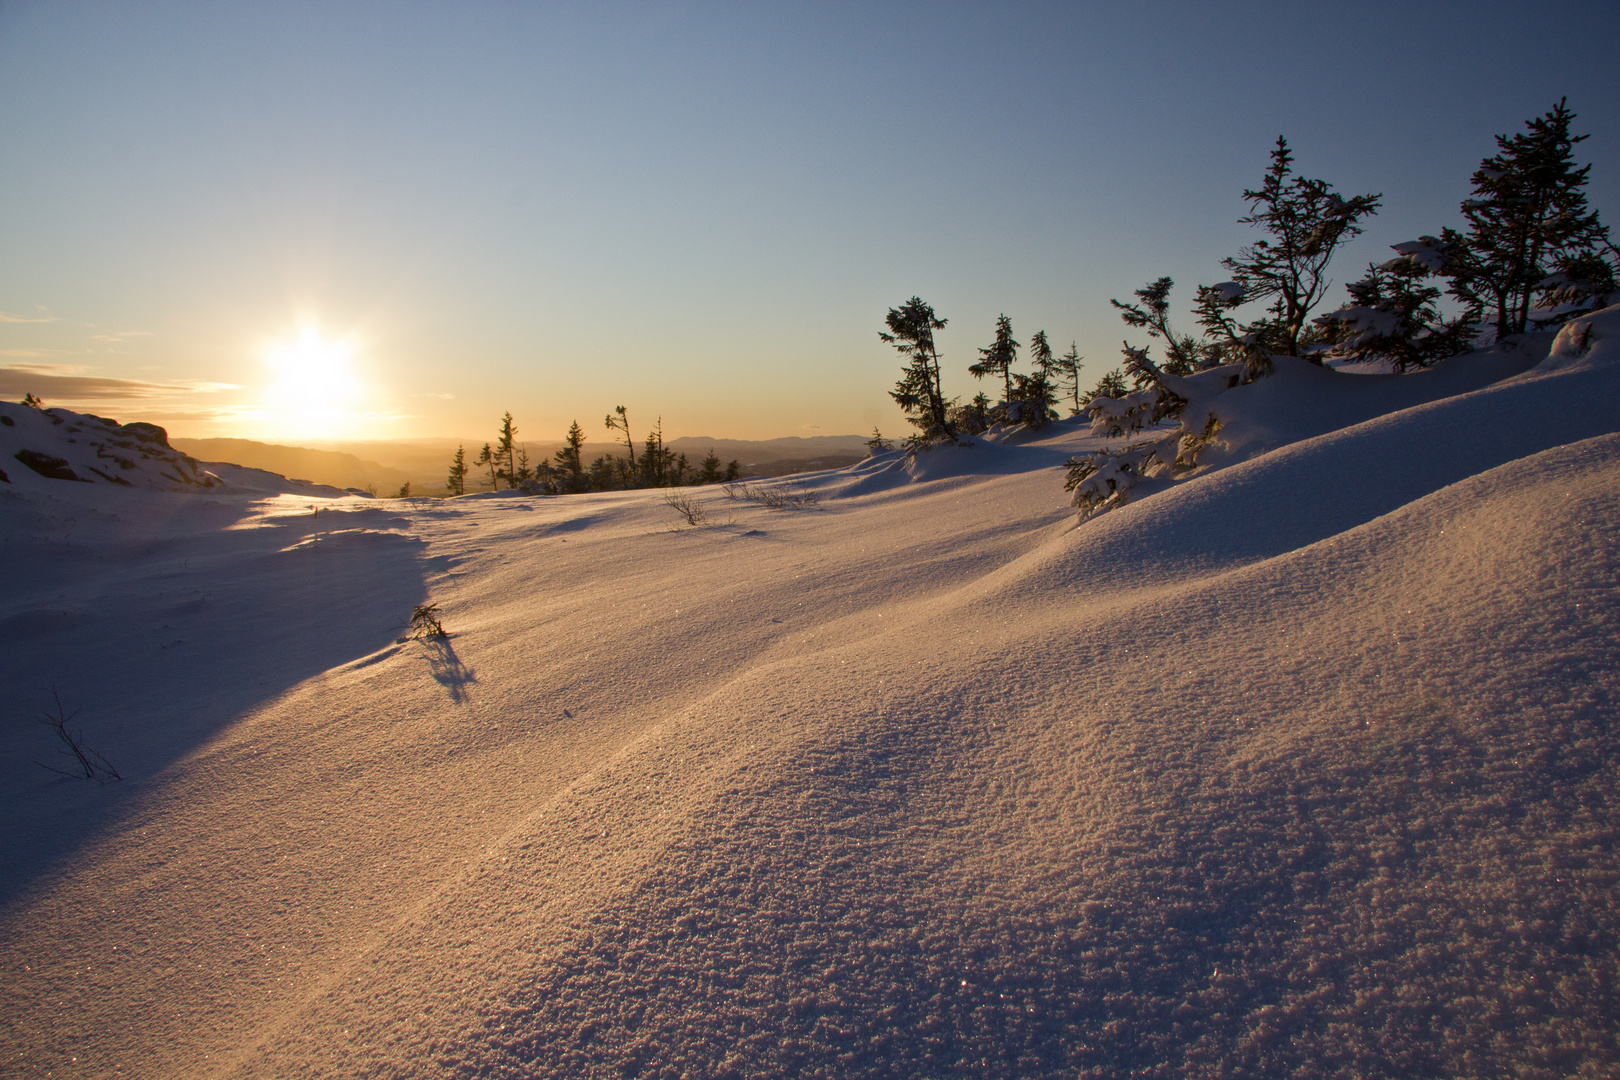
(299, 462)
(760, 451)
(386, 465)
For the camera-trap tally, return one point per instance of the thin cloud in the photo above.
(5, 318)
(43, 380)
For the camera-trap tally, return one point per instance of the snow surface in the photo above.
(1303, 767)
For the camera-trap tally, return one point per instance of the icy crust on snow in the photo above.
(1304, 768)
(41, 448)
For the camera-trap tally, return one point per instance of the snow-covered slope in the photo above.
(43, 448)
(1305, 767)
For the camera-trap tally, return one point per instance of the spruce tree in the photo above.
(456, 481)
(505, 450)
(733, 470)
(1306, 221)
(1392, 316)
(522, 474)
(1151, 312)
(919, 393)
(657, 460)
(602, 475)
(710, 468)
(1527, 219)
(571, 459)
(1040, 354)
(1068, 368)
(486, 456)
(1111, 385)
(997, 358)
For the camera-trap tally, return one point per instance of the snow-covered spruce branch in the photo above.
(1103, 479)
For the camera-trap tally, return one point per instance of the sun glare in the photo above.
(312, 373)
(313, 391)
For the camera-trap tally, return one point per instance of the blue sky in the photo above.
(697, 210)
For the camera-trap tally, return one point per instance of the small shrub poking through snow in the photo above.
(425, 622)
(772, 498)
(86, 762)
(690, 509)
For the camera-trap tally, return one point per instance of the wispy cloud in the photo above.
(43, 316)
(54, 383)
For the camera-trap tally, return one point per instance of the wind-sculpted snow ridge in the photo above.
(1302, 768)
(1223, 424)
(43, 448)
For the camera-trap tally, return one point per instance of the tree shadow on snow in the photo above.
(447, 669)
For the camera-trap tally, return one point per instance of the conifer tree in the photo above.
(972, 418)
(1527, 218)
(456, 481)
(657, 461)
(710, 468)
(733, 470)
(1392, 316)
(1068, 368)
(1111, 385)
(1032, 399)
(619, 420)
(603, 476)
(997, 358)
(1040, 354)
(486, 457)
(522, 474)
(505, 449)
(571, 459)
(919, 392)
(1306, 221)
(1151, 312)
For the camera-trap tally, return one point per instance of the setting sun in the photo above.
(312, 373)
(313, 391)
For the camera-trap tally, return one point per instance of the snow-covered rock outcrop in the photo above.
(42, 448)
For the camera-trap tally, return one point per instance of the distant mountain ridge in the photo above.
(356, 465)
(793, 446)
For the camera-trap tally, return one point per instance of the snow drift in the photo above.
(1303, 767)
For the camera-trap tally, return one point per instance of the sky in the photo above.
(346, 221)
